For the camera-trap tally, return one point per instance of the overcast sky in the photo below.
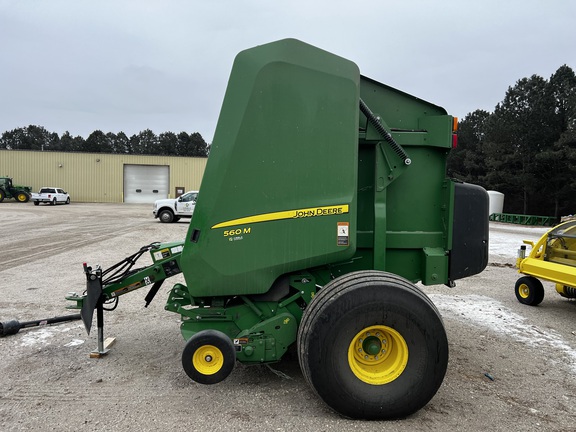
(130, 65)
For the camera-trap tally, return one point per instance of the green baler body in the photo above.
(316, 172)
(298, 179)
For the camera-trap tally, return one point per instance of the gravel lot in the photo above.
(512, 367)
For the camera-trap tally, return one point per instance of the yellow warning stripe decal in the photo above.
(287, 214)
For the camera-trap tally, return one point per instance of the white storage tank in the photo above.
(496, 202)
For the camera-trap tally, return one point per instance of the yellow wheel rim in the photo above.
(378, 355)
(208, 360)
(524, 291)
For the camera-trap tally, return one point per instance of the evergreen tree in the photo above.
(168, 143)
(199, 146)
(184, 144)
(68, 143)
(98, 142)
(122, 144)
(12, 140)
(467, 162)
(519, 129)
(559, 161)
(148, 142)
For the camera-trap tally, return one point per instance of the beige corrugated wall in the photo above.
(92, 177)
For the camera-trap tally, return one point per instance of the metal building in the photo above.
(100, 177)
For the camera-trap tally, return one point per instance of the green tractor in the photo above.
(10, 190)
(324, 201)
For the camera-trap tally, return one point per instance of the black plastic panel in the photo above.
(469, 255)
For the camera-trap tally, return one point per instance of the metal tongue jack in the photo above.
(94, 300)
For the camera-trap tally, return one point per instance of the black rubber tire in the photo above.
(207, 340)
(166, 216)
(68, 200)
(529, 290)
(36, 203)
(2, 195)
(346, 306)
(53, 202)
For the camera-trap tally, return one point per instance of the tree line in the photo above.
(526, 148)
(145, 142)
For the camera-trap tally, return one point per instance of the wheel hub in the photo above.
(378, 355)
(208, 359)
(372, 345)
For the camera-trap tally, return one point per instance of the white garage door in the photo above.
(146, 183)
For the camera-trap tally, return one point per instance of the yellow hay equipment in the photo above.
(552, 258)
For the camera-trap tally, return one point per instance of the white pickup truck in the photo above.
(51, 195)
(172, 209)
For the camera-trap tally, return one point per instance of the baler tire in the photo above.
(166, 216)
(209, 357)
(2, 195)
(396, 316)
(529, 290)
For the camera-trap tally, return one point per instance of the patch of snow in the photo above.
(478, 310)
(42, 335)
(74, 342)
(35, 337)
(506, 239)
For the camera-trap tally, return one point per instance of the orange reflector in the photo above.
(454, 124)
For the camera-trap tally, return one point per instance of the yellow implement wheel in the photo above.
(524, 291)
(373, 346)
(208, 357)
(378, 355)
(529, 291)
(208, 360)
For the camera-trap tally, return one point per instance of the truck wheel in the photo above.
(36, 202)
(53, 202)
(208, 357)
(373, 346)
(529, 290)
(68, 200)
(2, 195)
(166, 216)
(22, 197)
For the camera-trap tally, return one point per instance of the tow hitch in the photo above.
(12, 327)
(104, 287)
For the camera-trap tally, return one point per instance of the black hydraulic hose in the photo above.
(375, 121)
(121, 270)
